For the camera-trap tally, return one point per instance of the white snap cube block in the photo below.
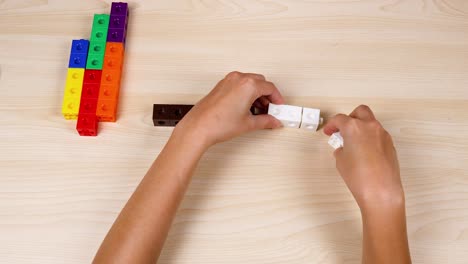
(310, 119)
(289, 115)
(336, 140)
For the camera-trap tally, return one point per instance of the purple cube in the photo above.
(118, 21)
(119, 9)
(116, 35)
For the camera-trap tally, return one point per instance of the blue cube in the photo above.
(77, 60)
(80, 46)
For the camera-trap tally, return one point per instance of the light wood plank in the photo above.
(266, 197)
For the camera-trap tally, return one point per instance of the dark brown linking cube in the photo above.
(169, 114)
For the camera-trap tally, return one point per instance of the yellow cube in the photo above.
(73, 90)
(75, 76)
(70, 108)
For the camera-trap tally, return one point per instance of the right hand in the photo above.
(225, 112)
(368, 161)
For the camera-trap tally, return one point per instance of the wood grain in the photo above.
(267, 197)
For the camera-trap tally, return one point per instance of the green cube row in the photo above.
(97, 45)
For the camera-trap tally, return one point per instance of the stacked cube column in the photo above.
(118, 23)
(113, 63)
(87, 124)
(75, 74)
(110, 83)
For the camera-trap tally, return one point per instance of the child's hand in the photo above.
(368, 162)
(225, 112)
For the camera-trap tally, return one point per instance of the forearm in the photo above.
(385, 236)
(139, 232)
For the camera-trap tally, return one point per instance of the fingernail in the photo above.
(327, 132)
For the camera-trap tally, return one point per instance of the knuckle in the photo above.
(352, 126)
(338, 116)
(385, 136)
(363, 107)
(375, 125)
(233, 74)
(261, 76)
(247, 81)
(382, 131)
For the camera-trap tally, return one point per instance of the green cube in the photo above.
(99, 34)
(100, 28)
(101, 20)
(97, 48)
(95, 61)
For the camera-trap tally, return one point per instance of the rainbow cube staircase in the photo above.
(94, 72)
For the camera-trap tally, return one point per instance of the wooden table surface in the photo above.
(266, 197)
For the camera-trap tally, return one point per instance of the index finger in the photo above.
(363, 112)
(256, 76)
(269, 90)
(335, 124)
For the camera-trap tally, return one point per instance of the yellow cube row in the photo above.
(72, 95)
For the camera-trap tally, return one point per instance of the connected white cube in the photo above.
(336, 140)
(289, 115)
(310, 119)
(303, 117)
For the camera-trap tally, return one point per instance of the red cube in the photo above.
(87, 125)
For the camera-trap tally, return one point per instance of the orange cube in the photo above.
(112, 63)
(114, 49)
(109, 92)
(110, 77)
(107, 110)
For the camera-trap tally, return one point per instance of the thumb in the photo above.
(339, 156)
(264, 122)
(338, 153)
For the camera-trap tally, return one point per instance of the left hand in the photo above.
(225, 112)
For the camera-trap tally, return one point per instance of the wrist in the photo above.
(190, 138)
(383, 205)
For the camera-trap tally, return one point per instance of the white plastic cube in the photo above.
(289, 115)
(336, 140)
(310, 119)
